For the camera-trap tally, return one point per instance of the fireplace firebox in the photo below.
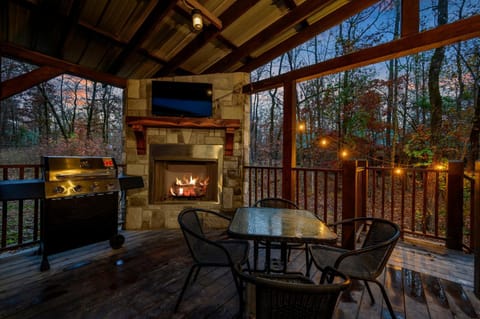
(185, 173)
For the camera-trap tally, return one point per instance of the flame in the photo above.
(189, 186)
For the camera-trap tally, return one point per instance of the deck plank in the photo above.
(415, 300)
(143, 280)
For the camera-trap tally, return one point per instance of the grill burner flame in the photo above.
(189, 187)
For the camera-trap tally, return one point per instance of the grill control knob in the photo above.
(59, 189)
(94, 187)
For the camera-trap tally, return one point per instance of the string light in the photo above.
(323, 142)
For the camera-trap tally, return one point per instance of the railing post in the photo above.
(476, 230)
(349, 194)
(362, 189)
(455, 205)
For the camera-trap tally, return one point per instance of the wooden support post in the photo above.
(476, 231)
(410, 17)
(455, 205)
(349, 192)
(289, 140)
(362, 189)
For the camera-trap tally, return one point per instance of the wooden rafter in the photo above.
(228, 17)
(25, 81)
(291, 19)
(8, 49)
(307, 33)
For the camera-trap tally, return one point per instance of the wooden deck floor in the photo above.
(143, 279)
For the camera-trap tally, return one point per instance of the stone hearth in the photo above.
(230, 105)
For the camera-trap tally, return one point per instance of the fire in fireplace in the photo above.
(185, 172)
(189, 187)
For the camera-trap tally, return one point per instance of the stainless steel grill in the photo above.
(81, 204)
(79, 201)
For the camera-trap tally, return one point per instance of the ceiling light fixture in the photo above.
(199, 13)
(197, 19)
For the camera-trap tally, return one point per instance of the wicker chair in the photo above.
(292, 296)
(206, 252)
(367, 262)
(285, 250)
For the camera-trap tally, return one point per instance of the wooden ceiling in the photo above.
(111, 40)
(114, 40)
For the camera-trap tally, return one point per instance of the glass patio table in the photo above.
(279, 225)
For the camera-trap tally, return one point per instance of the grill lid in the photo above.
(73, 176)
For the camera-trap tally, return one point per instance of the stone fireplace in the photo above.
(186, 162)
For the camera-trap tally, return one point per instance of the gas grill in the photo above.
(81, 204)
(80, 198)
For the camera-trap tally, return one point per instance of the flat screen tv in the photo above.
(181, 99)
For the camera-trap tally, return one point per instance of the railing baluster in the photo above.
(425, 202)
(437, 198)
(414, 196)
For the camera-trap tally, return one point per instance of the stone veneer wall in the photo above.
(229, 103)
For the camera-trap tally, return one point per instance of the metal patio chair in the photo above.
(206, 252)
(367, 262)
(277, 202)
(290, 296)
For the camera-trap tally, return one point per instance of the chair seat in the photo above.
(360, 267)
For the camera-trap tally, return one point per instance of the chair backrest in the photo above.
(275, 202)
(289, 298)
(201, 248)
(381, 238)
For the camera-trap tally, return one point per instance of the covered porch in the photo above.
(144, 277)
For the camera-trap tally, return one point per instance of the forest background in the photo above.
(419, 110)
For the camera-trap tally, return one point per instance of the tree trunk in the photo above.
(434, 87)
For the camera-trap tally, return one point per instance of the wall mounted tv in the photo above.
(181, 99)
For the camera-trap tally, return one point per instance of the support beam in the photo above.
(455, 205)
(289, 140)
(462, 30)
(28, 80)
(19, 53)
(410, 17)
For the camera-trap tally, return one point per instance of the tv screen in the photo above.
(181, 99)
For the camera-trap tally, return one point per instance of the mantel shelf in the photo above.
(140, 124)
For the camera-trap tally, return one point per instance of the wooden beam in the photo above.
(209, 33)
(25, 81)
(22, 54)
(289, 140)
(291, 19)
(410, 17)
(140, 125)
(161, 9)
(307, 33)
(210, 16)
(443, 35)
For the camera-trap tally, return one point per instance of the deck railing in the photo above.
(20, 219)
(414, 198)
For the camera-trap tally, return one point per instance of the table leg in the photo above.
(267, 256)
(283, 255)
(307, 261)
(255, 255)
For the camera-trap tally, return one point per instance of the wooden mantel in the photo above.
(140, 124)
